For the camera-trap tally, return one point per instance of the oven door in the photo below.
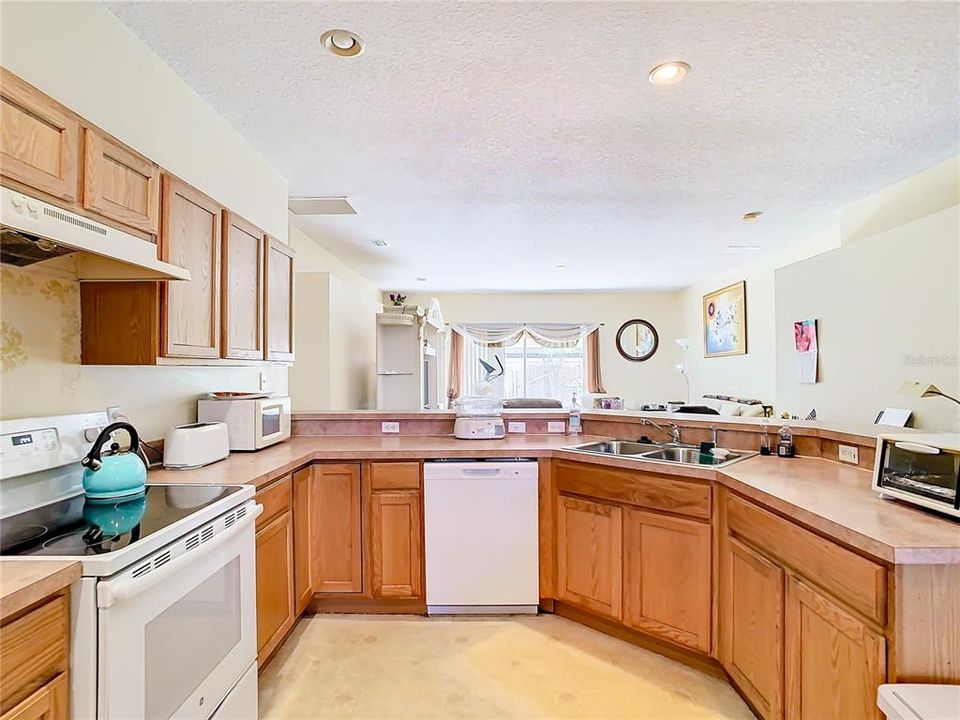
(177, 630)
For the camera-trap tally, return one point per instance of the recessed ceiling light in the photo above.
(379, 243)
(752, 216)
(561, 267)
(669, 73)
(342, 43)
(421, 279)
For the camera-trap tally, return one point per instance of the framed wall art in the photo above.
(725, 321)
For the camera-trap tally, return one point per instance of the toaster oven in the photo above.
(923, 469)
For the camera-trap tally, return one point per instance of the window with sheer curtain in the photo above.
(531, 370)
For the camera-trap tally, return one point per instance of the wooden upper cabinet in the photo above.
(335, 529)
(120, 184)
(834, 661)
(666, 568)
(190, 237)
(278, 301)
(396, 548)
(242, 289)
(589, 555)
(751, 625)
(39, 139)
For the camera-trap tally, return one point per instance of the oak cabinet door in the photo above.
(120, 184)
(39, 139)
(275, 571)
(666, 568)
(302, 530)
(834, 661)
(190, 238)
(589, 555)
(278, 301)
(396, 563)
(751, 625)
(335, 529)
(50, 702)
(242, 289)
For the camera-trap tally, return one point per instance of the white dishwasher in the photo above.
(480, 522)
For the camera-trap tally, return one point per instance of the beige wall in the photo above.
(888, 310)
(80, 54)
(335, 332)
(849, 288)
(655, 380)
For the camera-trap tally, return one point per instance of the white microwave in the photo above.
(920, 469)
(252, 423)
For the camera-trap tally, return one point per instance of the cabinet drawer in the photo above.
(35, 648)
(634, 487)
(275, 498)
(849, 577)
(395, 476)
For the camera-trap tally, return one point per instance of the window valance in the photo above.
(506, 334)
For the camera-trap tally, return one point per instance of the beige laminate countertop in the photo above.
(835, 499)
(24, 582)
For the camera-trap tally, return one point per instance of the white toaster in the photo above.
(195, 445)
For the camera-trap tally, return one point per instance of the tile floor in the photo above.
(379, 667)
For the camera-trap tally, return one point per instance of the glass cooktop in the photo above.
(78, 526)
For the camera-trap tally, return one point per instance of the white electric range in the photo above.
(163, 620)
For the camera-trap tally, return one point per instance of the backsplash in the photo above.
(41, 374)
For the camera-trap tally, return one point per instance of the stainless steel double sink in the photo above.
(668, 452)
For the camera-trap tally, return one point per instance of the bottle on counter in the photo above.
(574, 425)
(785, 444)
(765, 438)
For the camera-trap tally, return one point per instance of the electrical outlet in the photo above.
(114, 414)
(264, 382)
(516, 427)
(389, 427)
(850, 454)
(556, 426)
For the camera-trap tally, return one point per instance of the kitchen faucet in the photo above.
(674, 431)
(716, 435)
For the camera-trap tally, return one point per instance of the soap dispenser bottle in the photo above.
(574, 426)
(785, 444)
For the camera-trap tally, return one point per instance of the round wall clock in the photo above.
(637, 340)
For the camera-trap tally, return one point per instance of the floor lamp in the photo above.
(684, 345)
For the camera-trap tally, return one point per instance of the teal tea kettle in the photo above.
(118, 474)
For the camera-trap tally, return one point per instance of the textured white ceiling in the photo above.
(490, 142)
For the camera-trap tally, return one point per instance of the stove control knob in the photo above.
(91, 434)
(16, 201)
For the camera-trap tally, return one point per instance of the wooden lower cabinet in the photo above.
(589, 555)
(335, 535)
(302, 531)
(666, 577)
(396, 545)
(834, 660)
(275, 584)
(50, 702)
(751, 626)
(34, 661)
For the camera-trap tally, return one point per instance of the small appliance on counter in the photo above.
(478, 418)
(191, 446)
(253, 423)
(923, 469)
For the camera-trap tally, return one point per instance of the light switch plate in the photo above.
(516, 427)
(849, 454)
(556, 426)
(389, 427)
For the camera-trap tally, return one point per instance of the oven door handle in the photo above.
(111, 591)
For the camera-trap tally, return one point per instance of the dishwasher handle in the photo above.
(480, 471)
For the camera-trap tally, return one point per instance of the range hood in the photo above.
(33, 230)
